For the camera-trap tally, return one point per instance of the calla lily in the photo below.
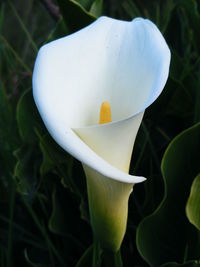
(125, 63)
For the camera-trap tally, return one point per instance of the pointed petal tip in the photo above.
(140, 179)
(121, 176)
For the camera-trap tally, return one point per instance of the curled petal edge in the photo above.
(71, 143)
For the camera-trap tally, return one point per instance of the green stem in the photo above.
(112, 259)
(28, 35)
(118, 259)
(197, 107)
(15, 54)
(42, 229)
(151, 145)
(96, 259)
(10, 227)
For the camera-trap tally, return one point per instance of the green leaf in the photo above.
(65, 221)
(59, 31)
(23, 26)
(161, 236)
(97, 8)
(26, 169)
(70, 171)
(75, 15)
(5, 109)
(193, 204)
(131, 9)
(31, 263)
(28, 117)
(56, 159)
(166, 11)
(28, 155)
(8, 135)
(63, 205)
(193, 16)
(85, 3)
(86, 258)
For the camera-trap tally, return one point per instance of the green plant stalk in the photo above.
(30, 39)
(43, 232)
(102, 257)
(17, 57)
(151, 145)
(197, 106)
(112, 259)
(10, 227)
(96, 259)
(108, 205)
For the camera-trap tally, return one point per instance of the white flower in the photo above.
(125, 63)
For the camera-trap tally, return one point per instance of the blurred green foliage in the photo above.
(44, 220)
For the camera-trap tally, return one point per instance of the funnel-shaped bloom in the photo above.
(124, 63)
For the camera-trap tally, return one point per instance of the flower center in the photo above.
(105, 113)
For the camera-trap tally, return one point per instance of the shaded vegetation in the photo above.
(44, 220)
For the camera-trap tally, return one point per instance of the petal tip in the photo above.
(140, 179)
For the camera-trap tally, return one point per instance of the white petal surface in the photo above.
(113, 141)
(125, 63)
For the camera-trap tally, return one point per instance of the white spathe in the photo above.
(124, 63)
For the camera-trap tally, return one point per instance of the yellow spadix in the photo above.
(105, 113)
